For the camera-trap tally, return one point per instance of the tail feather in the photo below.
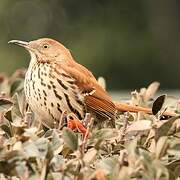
(126, 107)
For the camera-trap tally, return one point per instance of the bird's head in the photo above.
(45, 50)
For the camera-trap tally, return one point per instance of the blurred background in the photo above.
(130, 43)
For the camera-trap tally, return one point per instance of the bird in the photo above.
(55, 83)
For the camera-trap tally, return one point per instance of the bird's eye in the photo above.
(45, 46)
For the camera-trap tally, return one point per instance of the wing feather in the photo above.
(99, 101)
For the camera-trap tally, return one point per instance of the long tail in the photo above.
(125, 107)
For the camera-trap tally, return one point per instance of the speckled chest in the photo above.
(49, 92)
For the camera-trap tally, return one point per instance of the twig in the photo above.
(62, 120)
(28, 117)
(122, 156)
(43, 171)
(125, 123)
(89, 119)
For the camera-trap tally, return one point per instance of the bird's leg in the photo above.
(75, 124)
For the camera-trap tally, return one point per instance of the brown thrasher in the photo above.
(55, 83)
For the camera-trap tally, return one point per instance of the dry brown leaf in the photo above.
(151, 90)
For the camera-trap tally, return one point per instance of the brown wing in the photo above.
(96, 98)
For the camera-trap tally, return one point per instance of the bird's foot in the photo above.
(75, 124)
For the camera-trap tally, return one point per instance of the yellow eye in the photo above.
(45, 46)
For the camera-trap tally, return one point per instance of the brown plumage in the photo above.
(55, 82)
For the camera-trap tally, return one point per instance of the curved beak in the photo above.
(19, 43)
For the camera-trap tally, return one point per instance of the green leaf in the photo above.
(164, 129)
(107, 164)
(16, 108)
(38, 149)
(22, 170)
(17, 85)
(173, 165)
(90, 156)
(30, 132)
(56, 141)
(104, 133)
(57, 162)
(7, 129)
(140, 125)
(5, 104)
(177, 171)
(161, 147)
(31, 150)
(57, 176)
(42, 146)
(175, 150)
(70, 139)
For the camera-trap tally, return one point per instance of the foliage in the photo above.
(139, 146)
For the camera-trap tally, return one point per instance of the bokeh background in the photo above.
(130, 43)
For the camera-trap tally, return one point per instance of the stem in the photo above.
(125, 123)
